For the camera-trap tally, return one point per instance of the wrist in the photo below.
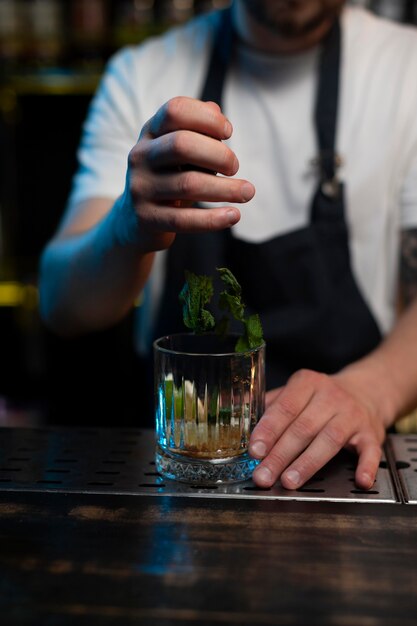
(129, 232)
(125, 222)
(372, 380)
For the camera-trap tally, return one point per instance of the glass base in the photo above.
(204, 472)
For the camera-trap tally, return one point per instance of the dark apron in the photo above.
(300, 283)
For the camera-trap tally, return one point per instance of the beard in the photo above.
(293, 18)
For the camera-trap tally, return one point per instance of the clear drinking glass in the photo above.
(208, 399)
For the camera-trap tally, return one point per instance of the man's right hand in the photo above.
(171, 168)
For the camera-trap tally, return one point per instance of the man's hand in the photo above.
(308, 421)
(171, 167)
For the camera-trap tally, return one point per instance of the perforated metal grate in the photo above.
(120, 461)
(403, 450)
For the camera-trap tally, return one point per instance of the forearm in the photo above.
(387, 377)
(90, 280)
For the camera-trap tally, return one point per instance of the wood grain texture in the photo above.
(72, 559)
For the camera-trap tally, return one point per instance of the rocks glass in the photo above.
(208, 399)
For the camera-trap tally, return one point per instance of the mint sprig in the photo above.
(197, 293)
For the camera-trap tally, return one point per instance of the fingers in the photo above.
(191, 186)
(190, 114)
(189, 220)
(190, 148)
(324, 447)
(281, 411)
(369, 459)
(271, 396)
(307, 423)
(165, 201)
(168, 173)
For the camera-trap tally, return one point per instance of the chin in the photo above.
(293, 18)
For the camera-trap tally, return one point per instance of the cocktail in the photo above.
(209, 389)
(208, 399)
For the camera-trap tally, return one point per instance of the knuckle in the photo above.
(335, 434)
(133, 157)
(277, 462)
(173, 108)
(136, 156)
(188, 184)
(210, 221)
(307, 466)
(167, 117)
(288, 408)
(149, 217)
(135, 187)
(376, 449)
(380, 434)
(304, 428)
(139, 188)
(179, 144)
(174, 222)
(310, 377)
(267, 426)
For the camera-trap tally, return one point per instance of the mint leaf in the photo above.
(229, 279)
(195, 294)
(242, 344)
(253, 330)
(233, 304)
(231, 299)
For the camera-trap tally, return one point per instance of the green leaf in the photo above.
(233, 304)
(230, 280)
(242, 344)
(252, 336)
(253, 331)
(198, 291)
(195, 294)
(231, 298)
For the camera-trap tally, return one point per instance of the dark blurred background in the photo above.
(52, 53)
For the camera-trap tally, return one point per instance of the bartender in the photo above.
(314, 104)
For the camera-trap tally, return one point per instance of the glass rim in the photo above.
(212, 354)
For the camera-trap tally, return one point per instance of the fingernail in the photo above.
(247, 192)
(367, 480)
(258, 449)
(232, 217)
(293, 477)
(263, 475)
(227, 129)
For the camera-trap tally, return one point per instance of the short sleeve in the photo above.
(109, 132)
(409, 190)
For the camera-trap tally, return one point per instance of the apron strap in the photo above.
(327, 99)
(220, 59)
(326, 111)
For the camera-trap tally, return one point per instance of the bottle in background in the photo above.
(44, 28)
(133, 21)
(170, 12)
(11, 41)
(203, 6)
(89, 32)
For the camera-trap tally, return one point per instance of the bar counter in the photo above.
(118, 545)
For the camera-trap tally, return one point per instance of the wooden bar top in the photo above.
(119, 560)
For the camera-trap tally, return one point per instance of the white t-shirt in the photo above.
(270, 102)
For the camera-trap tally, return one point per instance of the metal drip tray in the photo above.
(121, 461)
(403, 449)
